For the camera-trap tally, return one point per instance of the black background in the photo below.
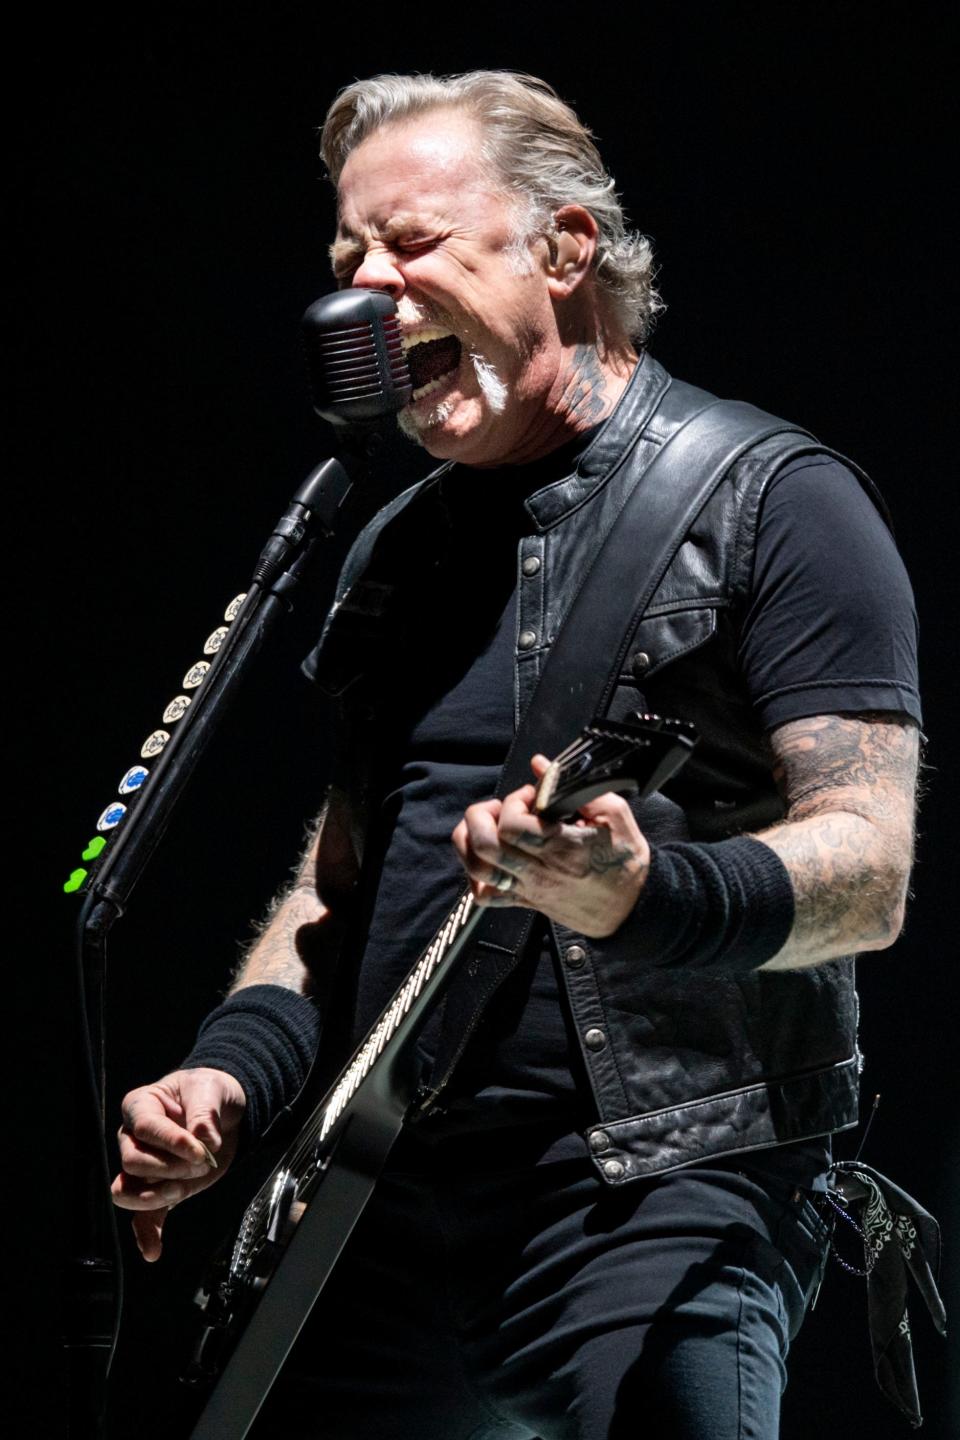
(793, 167)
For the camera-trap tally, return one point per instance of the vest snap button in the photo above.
(599, 1140)
(595, 1039)
(574, 956)
(640, 663)
(613, 1169)
(527, 639)
(531, 565)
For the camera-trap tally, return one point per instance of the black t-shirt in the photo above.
(830, 627)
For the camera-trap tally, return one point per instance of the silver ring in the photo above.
(504, 882)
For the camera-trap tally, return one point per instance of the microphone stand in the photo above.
(93, 1281)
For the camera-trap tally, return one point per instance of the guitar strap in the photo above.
(705, 439)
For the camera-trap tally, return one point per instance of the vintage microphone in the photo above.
(358, 377)
(358, 371)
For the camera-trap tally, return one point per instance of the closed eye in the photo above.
(416, 247)
(347, 259)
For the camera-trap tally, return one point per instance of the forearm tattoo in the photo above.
(849, 784)
(277, 956)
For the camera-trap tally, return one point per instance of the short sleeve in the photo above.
(830, 625)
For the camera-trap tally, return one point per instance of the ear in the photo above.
(572, 248)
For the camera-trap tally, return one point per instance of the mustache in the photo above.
(412, 315)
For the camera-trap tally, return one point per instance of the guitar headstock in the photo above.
(629, 757)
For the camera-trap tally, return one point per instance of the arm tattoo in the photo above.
(849, 786)
(293, 940)
(868, 759)
(276, 957)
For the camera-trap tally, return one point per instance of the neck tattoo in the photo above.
(587, 386)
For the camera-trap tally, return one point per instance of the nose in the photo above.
(378, 271)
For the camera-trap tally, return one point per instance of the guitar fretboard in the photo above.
(383, 1038)
(392, 1018)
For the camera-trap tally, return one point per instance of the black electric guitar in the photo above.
(260, 1293)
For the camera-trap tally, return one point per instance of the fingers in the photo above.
(154, 1162)
(520, 827)
(154, 1134)
(507, 840)
(172, 1133)
(151, 1203)
(515, 857)
(612, 809)
(489, 860)
(129, 1193)
(213, 1103)
(148, 1233)
(514, 828)
(175, 1128)
(176, 1156)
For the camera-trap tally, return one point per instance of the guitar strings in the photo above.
(325, 1115)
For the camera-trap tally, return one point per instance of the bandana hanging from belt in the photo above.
(899, 1238)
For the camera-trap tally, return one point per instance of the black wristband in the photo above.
(266, 1037)
(728, 905)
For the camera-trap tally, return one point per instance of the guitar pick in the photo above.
(233, 609)
(111, 816)
(133, 779)
(77, 878)
(176, 709)
(213, 641)
(195, 674)
(94, 848)
(154, 744)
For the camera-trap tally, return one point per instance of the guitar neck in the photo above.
(371, 1067)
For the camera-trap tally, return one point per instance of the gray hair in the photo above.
(537, 149)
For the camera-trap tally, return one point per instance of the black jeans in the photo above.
(537, 1302)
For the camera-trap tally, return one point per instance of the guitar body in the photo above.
(314, 1248)
(313, 1230)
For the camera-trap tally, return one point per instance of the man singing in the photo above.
(603, 1225)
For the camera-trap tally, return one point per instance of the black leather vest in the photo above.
(683, 1064)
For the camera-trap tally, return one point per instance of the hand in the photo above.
(178, 1136)
(587, 875)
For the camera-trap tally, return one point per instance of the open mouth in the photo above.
(433, 355)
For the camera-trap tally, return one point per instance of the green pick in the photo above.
(94, 848)
(77, 878)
